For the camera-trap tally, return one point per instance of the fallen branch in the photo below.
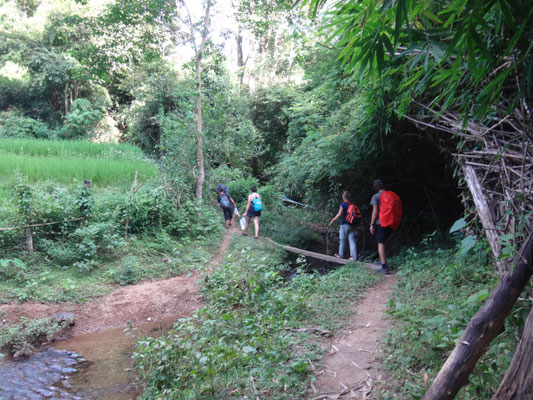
(43, 224)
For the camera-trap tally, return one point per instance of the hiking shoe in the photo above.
(244, 234)
(352, 259)
(337, 256)
(383, 271)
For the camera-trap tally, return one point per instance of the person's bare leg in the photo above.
(381, 252)
(227, 224)
(247, 226)
(256, 226)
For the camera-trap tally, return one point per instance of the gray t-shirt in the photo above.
(376, 201)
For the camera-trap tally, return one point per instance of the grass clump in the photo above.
(244, 342)
(22, 339)
(437, 294)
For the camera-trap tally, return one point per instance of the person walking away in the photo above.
(386, 216)
(227, 205)
(253, 210)
(350, 216)
(223, 187)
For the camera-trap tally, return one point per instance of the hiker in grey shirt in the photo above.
(381, 233)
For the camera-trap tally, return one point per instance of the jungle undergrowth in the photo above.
(437, 293)
(247, 341)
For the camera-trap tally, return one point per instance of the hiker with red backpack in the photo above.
(350, 216)
(386, 217)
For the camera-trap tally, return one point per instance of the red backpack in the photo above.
(390, 210)
(353, 215)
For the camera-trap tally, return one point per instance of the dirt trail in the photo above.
(148, 301)
(350, 369)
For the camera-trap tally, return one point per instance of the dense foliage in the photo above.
(437, 294)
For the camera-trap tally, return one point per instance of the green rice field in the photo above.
(68, 161)
(69, 148)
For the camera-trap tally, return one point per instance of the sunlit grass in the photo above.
(70, 148)
(101, 171)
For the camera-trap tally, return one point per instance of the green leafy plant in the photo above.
(15, 125)
(81, 119)
(22, 339)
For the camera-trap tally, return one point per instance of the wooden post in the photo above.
(133, 191)
(483, 327)
(29, 239)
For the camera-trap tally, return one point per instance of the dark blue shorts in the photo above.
(252, 213)
(228, 213)
(382, 233)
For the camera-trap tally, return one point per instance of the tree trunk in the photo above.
(518, 380)
(483, 327)
(199, 133)
(29, 239)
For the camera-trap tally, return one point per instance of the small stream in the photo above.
(96, 366)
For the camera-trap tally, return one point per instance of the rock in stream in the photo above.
(43, 375)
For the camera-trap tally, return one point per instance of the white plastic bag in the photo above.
(242, 221)
(237, 212)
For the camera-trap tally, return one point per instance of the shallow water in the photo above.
(96, 366)
(108, 373)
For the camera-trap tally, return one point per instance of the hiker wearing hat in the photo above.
(386, 217)
(350, 216)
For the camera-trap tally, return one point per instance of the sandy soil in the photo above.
(350, 370)
(148, 301)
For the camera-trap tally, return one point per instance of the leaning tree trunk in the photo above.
(518, 380)
(483, 327)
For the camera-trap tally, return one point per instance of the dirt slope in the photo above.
(154, 300)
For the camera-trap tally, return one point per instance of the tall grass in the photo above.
(70, 148)
(101, 171)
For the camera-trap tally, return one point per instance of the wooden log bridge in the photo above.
(323, 257)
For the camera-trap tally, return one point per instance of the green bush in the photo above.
(150, 210)
(128, 273)
(82, 248)
(81, 119)
(21, 340)
(13, 269)
(195, 220)
(14, 125)
(239, 189)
